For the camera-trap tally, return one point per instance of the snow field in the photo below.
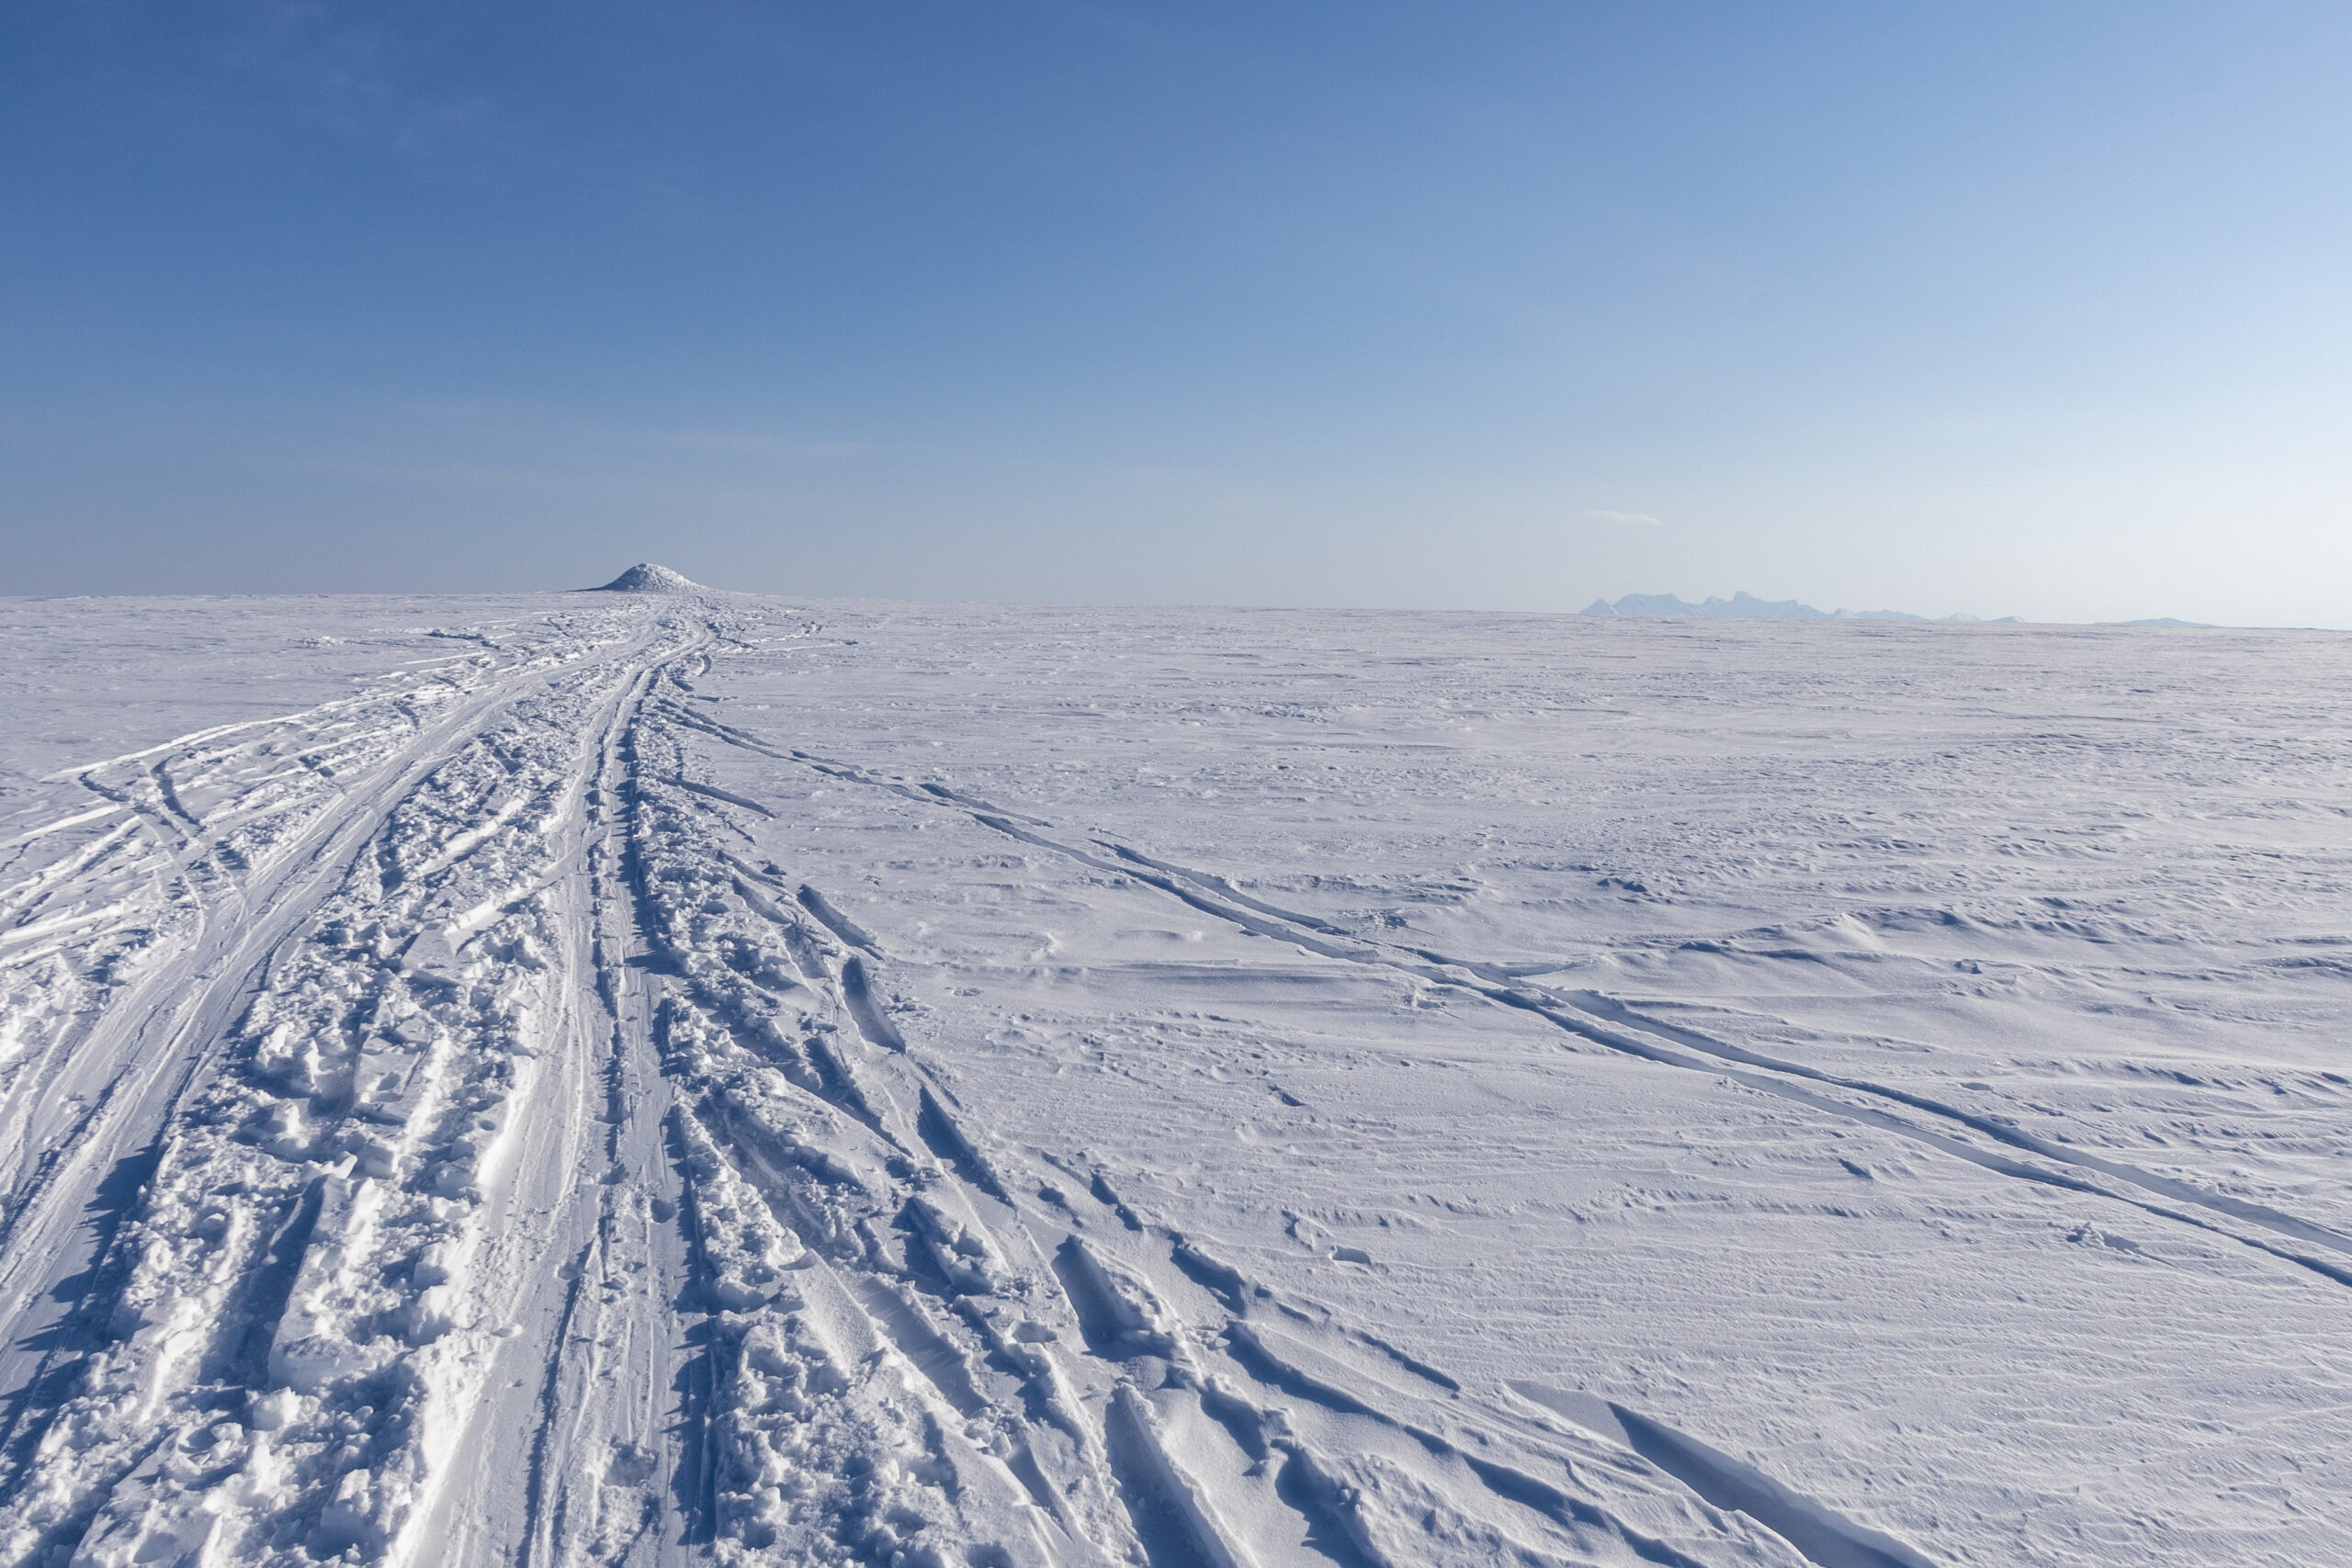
(694, 1078)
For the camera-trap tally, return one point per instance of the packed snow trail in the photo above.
(672, 1078)
(314, 1131)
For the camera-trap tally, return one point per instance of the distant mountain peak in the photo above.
(1740, 603)
(1747, 604)
(647, 577)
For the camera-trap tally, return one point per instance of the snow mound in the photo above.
(647, 577)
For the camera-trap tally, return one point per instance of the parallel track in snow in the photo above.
(133, 1060)
(181, 1065)
(1985, 1142)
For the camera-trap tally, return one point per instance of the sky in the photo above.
(2006, 308)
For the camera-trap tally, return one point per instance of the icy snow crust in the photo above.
(666, 1079)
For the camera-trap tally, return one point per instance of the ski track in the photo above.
(438, 1134)
(1590, 1016)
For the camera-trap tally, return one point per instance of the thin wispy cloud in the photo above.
(369, 79)
(1630, 519)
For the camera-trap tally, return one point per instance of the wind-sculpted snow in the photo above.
(706, 1080)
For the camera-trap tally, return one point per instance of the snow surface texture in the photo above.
(662, 1079)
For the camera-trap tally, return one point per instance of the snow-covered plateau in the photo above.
(672, 1078)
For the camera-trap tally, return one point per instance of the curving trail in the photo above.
(548, 1107)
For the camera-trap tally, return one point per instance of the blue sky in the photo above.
(2012, 309)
